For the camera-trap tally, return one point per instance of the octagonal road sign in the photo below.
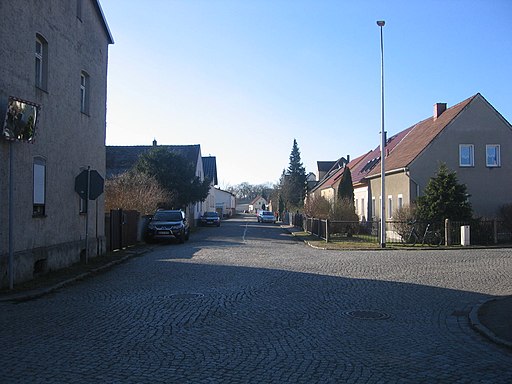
(96, 184)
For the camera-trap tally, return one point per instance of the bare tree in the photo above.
(136, 191)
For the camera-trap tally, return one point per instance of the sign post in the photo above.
(89, 185)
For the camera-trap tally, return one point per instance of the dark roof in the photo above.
(210, 168)
(325, 166)
(336, 172)
(120, 159)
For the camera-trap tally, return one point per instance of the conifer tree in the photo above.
(444, 198)
(293, 180)
(346, 189)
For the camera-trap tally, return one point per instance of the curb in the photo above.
(36, 293)
(475, 323)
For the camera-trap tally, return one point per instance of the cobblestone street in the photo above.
(247, 303)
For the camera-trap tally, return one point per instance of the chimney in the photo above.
(154, 143)
(439, 108)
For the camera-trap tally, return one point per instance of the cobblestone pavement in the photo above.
(246, 303)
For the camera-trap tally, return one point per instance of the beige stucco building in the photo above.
(471, 138)
(54, 54)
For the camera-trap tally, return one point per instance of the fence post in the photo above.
(495, 222)
(447, 233)
(326, 230)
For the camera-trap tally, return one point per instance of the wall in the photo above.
(479, 125)
(67, 139)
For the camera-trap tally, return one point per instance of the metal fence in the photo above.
(481, 232)
(121, 228)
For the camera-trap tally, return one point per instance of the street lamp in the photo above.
(381, 23)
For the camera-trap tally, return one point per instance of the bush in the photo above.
(136, 191)
(402, 218)
(317, 207)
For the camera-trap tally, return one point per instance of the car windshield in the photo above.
(211, 214)
(167, 216)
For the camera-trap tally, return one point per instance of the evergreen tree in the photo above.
(176, 175)
(346, 189)
(293, 181)
(444, 198)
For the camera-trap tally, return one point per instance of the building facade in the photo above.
(54, 55)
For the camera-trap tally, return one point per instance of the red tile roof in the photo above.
(415, 139)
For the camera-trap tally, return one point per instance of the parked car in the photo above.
(210, 218)
(266, 217)
(167, 225)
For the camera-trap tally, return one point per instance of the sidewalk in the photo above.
(493, 318)
(54, 280)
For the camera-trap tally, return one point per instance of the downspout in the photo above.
(406, 170)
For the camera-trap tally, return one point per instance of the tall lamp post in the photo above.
(381, 23)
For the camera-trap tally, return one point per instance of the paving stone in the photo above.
(246, 303)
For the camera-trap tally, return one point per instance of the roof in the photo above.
(411, 142)
(120, 159)
(336, 172)
(210, 168)
(325, 166)
(256, 199)
(103, 20)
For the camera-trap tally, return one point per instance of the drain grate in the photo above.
(367, 314)
(186, 296)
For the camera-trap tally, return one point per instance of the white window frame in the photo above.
(496, 156)
(39, 187)
(84, 92)
(390, 206)
(400, 201)
(41, 63)
(470, 162)
(374, 207)
(363, 208)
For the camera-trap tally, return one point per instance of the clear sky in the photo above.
(244, 78)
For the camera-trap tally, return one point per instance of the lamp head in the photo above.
(381, 23)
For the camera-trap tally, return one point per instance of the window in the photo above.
(400, 201)
(466, 155)
(363, 208)
(390, 207)
(357, 206)
(374, 207)
(84, 92)
(492, 155)
(41, 63)
(39, 197)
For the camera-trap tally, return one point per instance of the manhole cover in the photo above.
(367, 315)
(186, 296)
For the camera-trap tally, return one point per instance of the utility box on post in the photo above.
(464, 235)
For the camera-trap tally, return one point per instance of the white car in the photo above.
(266, 217)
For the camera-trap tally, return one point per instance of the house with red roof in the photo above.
(472, 138)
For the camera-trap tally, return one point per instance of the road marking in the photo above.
(245, 231)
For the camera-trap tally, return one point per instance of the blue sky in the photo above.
(244, 78)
